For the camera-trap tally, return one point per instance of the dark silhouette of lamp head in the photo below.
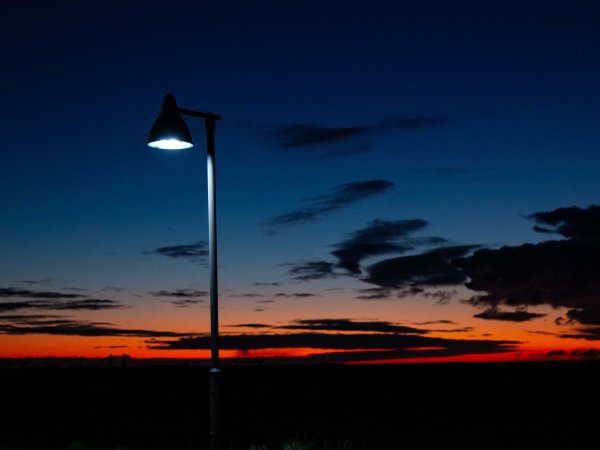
(169, 131)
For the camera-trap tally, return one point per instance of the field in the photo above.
(466, 406)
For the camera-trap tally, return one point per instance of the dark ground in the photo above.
(465, 406)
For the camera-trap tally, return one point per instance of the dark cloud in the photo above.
(588, 333)
(311, 270)
(40, 281)
(39, 324)
(183, 298)
(342, 196)
(266, 284)
(436, 322)
(195, 252)
(554, 353)
(571, 222)
(429, 269)
(441, 297)
(381, 237)
(180, 293)
(295, 295)
(590, 353)
(509, 316)
(34, 319)
(452, 330)
(350, 325)
(391, 345)
(88, 304)
(336, 141)
(557, 273)
(377, 293)
(345, 325)
(11, 292)
(588, 316)
(250, 325)
(186, 302)
(308, 135)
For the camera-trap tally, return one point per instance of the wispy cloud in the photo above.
(330, 141)
(311, 270)
(180, 293)
(26, 293)
(182, 298)
(340, 325)
(347, 325)
(295, 294)
(196, 251)
(56, 325)
(51, 300)
(317, 207)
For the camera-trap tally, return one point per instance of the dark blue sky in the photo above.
(465, 115)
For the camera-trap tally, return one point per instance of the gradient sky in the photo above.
(373, 160)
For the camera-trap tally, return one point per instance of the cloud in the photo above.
(195, 252)
(381, 237)
(590, 353)
(266, 284)
(295, 295)
(337, 141)
(183, 298)
(570, 222)
(342, 196)
(180, 293)
(436, 322)
(186, 302)
(51, 325)
(363, 340)
(509, 316)
(350, 325)
(308, 135)
(52, 301)
(557, 273)
(12, 292)
(40, 281)
(344, 325)
(377, 293)
(311, 270)
(587, 333)
(429, 269)
(358, 345)
(554, 353)
(587, 316)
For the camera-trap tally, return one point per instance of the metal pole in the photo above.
(214, 295)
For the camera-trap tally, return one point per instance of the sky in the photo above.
(396, 181)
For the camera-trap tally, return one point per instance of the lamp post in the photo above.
(170, 132)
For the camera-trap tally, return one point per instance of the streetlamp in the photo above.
(170, 132)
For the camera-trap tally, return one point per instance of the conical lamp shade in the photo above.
(169, 131)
